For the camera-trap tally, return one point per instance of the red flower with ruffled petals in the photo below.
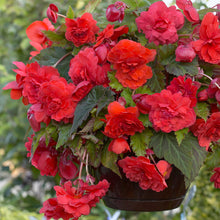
(84, 67)
(34, 31)
(52, 13)
(170, 112)
(52, 209)
(129, 58)
(160, 23)
(216, 178)
(122, 121)
(118, 146)
(55, 100)
(186, 87)
(36, 76)
(81, 30)
(207, 131)
(139, 169)
(78, 201)
(208, 46)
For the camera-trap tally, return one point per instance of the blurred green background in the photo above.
(22, 189)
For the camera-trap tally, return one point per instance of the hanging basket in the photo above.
(126, 195)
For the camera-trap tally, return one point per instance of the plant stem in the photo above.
(210, 79)
(81, 165)
(87, 170)
(63, 16)
(62, 58)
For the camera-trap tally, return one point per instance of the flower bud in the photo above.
(140, 101)
(203, 95)
(35, 125)
(185, 53)
(52, 13)
(115, 12)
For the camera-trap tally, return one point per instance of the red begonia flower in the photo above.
(55, 99)
(170, 112)
(78, 201)
(185, 53)
(139, 169)
(140, 101)
(160, 23)
(129, 58)
(52, 209)
(186, 86)
(122, 121)
(203, 95)
(36, 75)
(81, 30)
(208, 46)
(35, 125)
(84, 67)
(207, 131)
(34, 31)
(118, 146)
(216, 178)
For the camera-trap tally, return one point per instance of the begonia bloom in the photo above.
(118, 146)
(129, 58)
(122, 121)
(170, 112)
(81, 30)
(139, 169)
(160, 23)
(208, 46)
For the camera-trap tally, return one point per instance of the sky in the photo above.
(209, 3)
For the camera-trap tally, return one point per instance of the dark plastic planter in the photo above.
(126, 195)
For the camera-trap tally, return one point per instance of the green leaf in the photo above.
(98, 124)
(63, 137)
(188, 157)
(181, 68)
(140, 141)
(76, 143)
(180, 134)
(203, 12)
(145, 120)
(114, 83)
(157, 82)
(109, 160)
(127, 94)
(143, 90)
(167, 54)
(91, 6)
(98, 96)
(70, 13)
(132, 4)
(50, 56)
(94, 153)
(202, 110)
(53, 36)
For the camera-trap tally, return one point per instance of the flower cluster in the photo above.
(138, 99)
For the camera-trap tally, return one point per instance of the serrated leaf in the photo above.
(167, 54)
(127, 94)
(157, 82)
(114, 83)
(188, 157)
(180, 134)
(70, 13)
(76, 143)
(63, 137)
(109, 160)
(98, 96)
(140, 141)
(91, 6)
(143, 90)
(182, 68)
(202, 110)
(50, 56)
(94, 154)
